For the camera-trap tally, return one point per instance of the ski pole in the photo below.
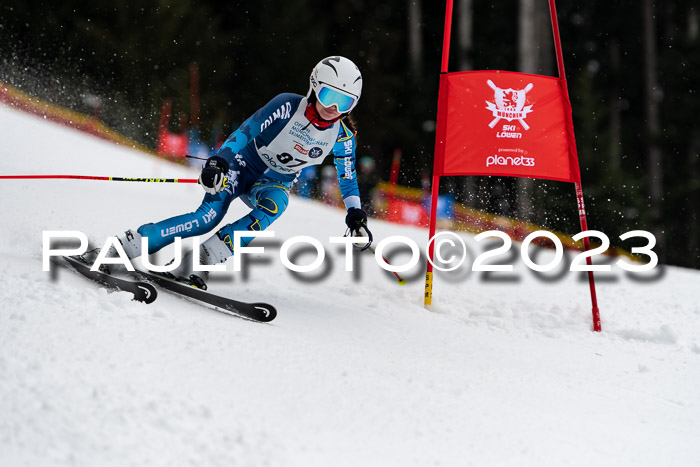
(195, 157)
(368, 246)
(402, 281)
(89, 177)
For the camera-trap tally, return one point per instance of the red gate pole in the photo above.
(439, 154)
(574, 157)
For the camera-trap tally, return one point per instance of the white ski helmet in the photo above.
(336, 80)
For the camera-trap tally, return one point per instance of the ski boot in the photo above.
(130, 242)
(211, 252)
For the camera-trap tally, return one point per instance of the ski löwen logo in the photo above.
(510, 104)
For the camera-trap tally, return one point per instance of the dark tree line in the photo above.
(632, 70)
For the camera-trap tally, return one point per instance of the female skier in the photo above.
(260, 161)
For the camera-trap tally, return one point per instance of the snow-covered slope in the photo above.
(353, 372)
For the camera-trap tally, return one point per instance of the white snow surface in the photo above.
(353, 372)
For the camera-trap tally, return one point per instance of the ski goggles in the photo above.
(328, 97)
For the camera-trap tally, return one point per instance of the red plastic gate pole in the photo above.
(437, 159)
(574, 159)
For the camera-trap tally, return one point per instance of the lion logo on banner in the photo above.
(510, 104)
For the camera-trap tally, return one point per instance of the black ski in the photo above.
(263, 312)
(142, 291)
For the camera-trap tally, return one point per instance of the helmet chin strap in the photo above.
(312, 114)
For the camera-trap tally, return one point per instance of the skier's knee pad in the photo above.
(269, 205)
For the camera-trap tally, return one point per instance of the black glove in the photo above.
(213, 176)
(355, 219)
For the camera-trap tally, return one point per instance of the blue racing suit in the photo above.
(265, 155)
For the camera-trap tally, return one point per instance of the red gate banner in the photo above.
(503, 124)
